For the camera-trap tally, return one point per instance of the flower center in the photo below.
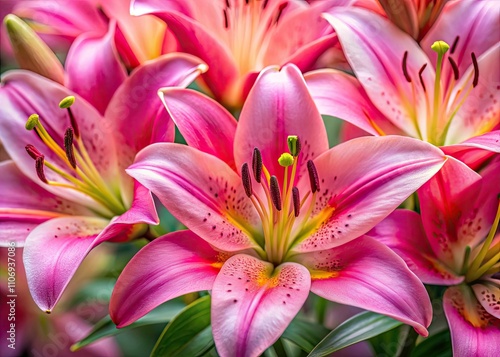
(442, 107)
(487, 261)
(80, 173)
(280, 214)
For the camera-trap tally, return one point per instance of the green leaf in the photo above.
(105, 327)
(358, 328)
(189, 333)
(438, 345)
(304, 334)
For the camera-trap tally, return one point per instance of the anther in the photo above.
(275, 192)
(226, 23)
(67, 102)
(285, 159)
(227, 4)
(294, 145)
(39, 162)
(264, 4)
(454, 66)
(296, 201)
(405, 68)
(313, 176)
(247, 181)
(257, 165)
(33, 152)
(280, 10)
(32, 122)
(475, 81)
(454, 45)
(68, 147)
(420, 76)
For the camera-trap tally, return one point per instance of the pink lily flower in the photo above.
(450, 99)
(452, 243)
(238, 38)
(138, 39)
(269, 222)
(65, 190)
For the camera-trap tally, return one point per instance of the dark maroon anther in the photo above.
(275, 192)
(74, 124)
(264, 4)
(296, 201)
(475, 81)
(313, 176)
(454, 45)
(227, 4)
(257, 165)
(39, 162)
(454, 66)
(226, 22)
(33, 152)
(405, 68)
(280, 10)
(420, 76)
(247, 180)
(68, 147)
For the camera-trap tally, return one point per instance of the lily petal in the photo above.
(476, 150)
(488, 294)
(480, 113)
(340, 95)
(473, 330)
(203, 122)
(170, 266)
(200, 190)
(24, 205)
(367, 274)
(246, 290)
(402, 231)
(354, 198)
(25, 93)
(456, 211)
(93, 68)
(53, 252)
(279, 105)
(378, 67)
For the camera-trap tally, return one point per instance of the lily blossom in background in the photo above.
(446, 93)
(238, 38)
(66, 190)
(453, 243)
(272, 214)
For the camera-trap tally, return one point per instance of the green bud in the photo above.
(294, 145)
(67, 102)
(285, 160)
(32, 122)
(440, 47)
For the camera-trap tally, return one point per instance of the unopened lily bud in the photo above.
(31, 52)
(285, 160)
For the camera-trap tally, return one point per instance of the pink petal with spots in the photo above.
(204, 123)
(245, 293)
(25, 93)
(202, 191)
(361, 182)
(279, 105)
(402, 231)
(340, 95)
(474, 22)
(458, 209)
(474, 332)
(367, 274)
(24, 205)
(475, 151)
(170, 266)
(488, 294)
(93, 68)
(378, 66)
(53, 252)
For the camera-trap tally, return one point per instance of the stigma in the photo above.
(77, 172)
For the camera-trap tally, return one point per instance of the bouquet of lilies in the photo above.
(250, 177)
